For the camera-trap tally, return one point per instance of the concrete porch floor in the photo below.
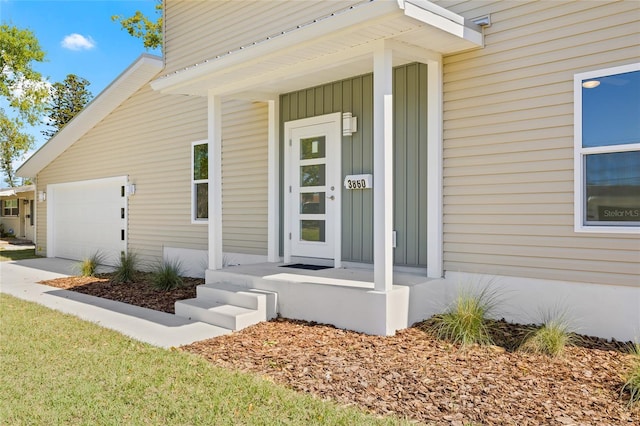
(348, 276)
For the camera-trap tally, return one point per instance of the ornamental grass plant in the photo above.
(632, 383)
(168, 275)
(89, 265)
(551, 338)
(126, 268)
(466, 321)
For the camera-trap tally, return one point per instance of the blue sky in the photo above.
(79, 38)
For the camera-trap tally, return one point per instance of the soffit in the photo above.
(327, 50)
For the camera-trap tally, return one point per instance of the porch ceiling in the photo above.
(327, 49)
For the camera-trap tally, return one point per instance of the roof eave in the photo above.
(443, 19)
(173, 83)
(192, 79)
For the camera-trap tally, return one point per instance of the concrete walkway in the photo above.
(20, 279)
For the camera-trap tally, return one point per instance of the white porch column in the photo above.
(435, 268)
(272, 192)
(214, 127)
(383, 168)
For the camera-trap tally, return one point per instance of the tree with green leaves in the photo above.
(67, 99)
(142, 27)
(15, 144)
(20, 84)
(24, 90)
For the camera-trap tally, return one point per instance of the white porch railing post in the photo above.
(215, 180)
(383, 168)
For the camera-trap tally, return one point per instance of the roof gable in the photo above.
(126, 84)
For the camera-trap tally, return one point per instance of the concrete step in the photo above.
(222, 315)
(225, 293)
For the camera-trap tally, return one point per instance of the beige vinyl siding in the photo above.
(149, 139)
(244, 177)
(194, 24)
(508, 141)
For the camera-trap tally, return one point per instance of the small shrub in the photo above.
(632, 384)
(88, 266)
(466, 322)
(126, 268)
(168, 275)
(550, 339)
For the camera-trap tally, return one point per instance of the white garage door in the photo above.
(87, 217)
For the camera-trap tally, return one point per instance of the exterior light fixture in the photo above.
(42, 196)
(130, 189)
(349, 124)
(590, 84)
(482, 21)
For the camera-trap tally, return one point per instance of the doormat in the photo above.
(307, 267)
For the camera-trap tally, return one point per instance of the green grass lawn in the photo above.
(7, 255)
(57, 369)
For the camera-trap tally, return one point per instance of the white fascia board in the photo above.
(8, 192)
(441, 18)
(126, 84)
(173, 83)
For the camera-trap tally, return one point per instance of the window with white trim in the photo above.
(10, 207)
(199, 182)
(607, 150)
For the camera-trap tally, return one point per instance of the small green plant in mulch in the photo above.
(632, 378)
(466, 321)
(551, 338)
(89, 265)
(168, 275)
(125, 268)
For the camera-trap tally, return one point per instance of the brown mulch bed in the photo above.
(412, 374)
(138, 293)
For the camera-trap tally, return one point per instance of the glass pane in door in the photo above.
(312, 148)
(312, 175)
(312, 203)
(312, 230)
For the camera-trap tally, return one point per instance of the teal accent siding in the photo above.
(356, 95)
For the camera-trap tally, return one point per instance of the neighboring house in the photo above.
(492, 141)
(17, 208)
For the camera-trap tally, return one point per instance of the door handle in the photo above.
(331, 197)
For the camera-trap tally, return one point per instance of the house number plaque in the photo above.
(358, 181)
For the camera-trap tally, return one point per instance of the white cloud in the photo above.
(77, 41)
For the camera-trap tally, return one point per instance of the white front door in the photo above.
(312, 188)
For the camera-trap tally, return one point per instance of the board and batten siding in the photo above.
(244, 177)
(355, 95)
(194, 24)
(508, 141)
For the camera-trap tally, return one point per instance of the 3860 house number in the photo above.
(358, 181)
(356, 184)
